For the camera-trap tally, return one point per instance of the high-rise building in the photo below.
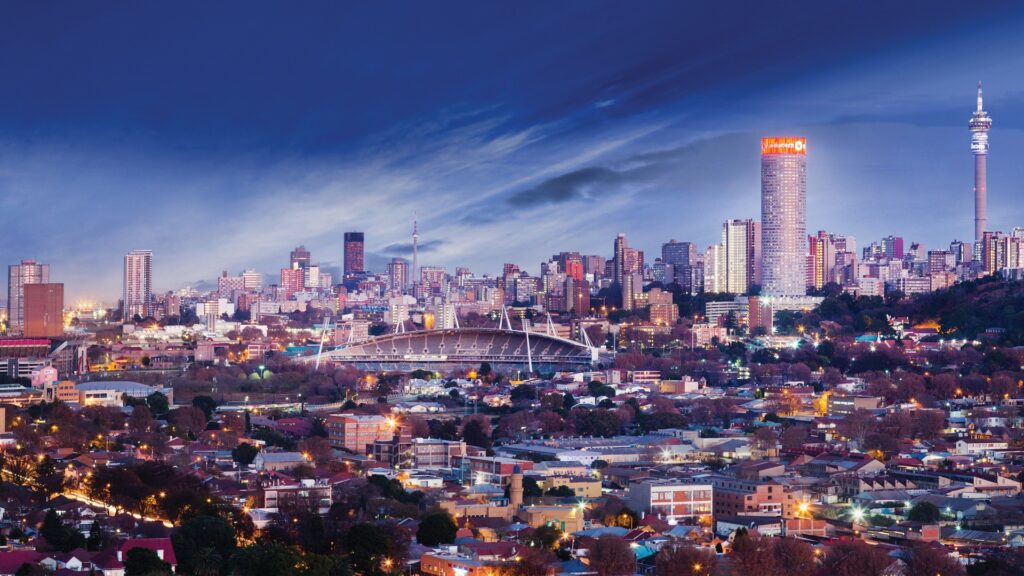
(230, 286)
(741, 247)
(398, 274)
(594, 266)
(940, 261)
(784, 216)
(571, 263)
(892, 246)
(18, 276)
(979, 125)
(577, 294)
(292, 280)
(679, 254)
(354, 263)
(663, 311)
(137, 293)
(619, 248)
(44, 310)
(714, 269)
(300, 258)
(252, 280)
(821, 258)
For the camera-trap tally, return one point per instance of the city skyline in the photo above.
(540, 174)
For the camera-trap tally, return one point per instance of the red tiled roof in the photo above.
(11, 560)
(155, 544)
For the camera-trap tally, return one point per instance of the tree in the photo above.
(682, 560)
(857, 424)
(202, 540)
(754, 555)
(244, 453)
(368, 548)
(207, 404)
(925, 512)
(157, 403)
(611, 556)
(475, 434)
(544, 537)
(530, 562)
(437, 528)
(141, 420)
(318, 449)
(764, 439)
(923, 560)
(144, 562)
(794, 437)
(188, 420)
(95, 539)
(266, 560)
(855, 558)
(59, 536)
(794, 557)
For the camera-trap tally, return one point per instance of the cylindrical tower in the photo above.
(980, 125)
(784, 216)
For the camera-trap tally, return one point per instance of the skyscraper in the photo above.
(679, 254)
(18, 275)
(619, 248)
(980, 125)
(784, 216)
(44, 310)
(137, 295)
(821, 260)
(353, 254)
(741, 250)
(300, 258)
(398, 274)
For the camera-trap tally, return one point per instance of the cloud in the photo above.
(405, 248)
(585, 183)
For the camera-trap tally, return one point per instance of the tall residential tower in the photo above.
(138, 284)
(18, 275)
(784, 216)
(980, 125)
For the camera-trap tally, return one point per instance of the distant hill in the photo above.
(965, 310)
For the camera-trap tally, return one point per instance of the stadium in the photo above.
(464, 348)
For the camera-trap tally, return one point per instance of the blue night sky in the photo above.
(221, 135)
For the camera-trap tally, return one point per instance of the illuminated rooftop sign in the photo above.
(783, 145)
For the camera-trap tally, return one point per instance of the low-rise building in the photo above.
(673, 500)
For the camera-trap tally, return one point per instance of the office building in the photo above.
(18, 276)
(354, 252)
(672, 500)
(137, 293)
(252, 280)
(679, 253)
(44, 310)
(892, 247)
(784, 216)
(299, 258)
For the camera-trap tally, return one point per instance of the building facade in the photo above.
(137, 293)
(354, 251)
(44, 310)
(18, 276)
(784, 216)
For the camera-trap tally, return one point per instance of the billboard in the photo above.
(783, 145)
